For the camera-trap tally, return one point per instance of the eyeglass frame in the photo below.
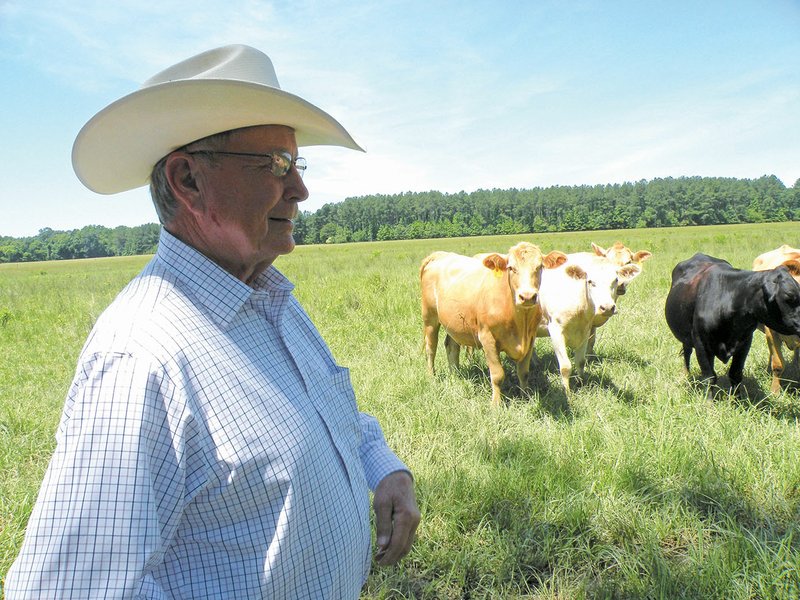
(298, 163)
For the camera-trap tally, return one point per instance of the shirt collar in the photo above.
(222, 294)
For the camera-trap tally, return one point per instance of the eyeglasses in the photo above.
(279, 162)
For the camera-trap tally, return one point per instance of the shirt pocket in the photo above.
(336, 403)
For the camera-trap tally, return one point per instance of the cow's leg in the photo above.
(496, 372)
(453, 349)
(560, 349)
(431, 331)
(524, 366)
(534, 356)
(590, 343)
(737, 367)
(580, 359)
(776, 362)
(705, 358)
(687, 355)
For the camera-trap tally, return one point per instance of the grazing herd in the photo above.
(503, 302)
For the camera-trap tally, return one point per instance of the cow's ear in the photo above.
(793, 266)
(598, 250)
(641, 256)
(554, 259)
(771, 284)
(495, 262)
(628, 272)
(575, 272)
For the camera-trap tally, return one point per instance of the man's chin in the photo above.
(282, 245)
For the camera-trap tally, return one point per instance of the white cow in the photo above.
(568, 312)
(620, 254)
(607, 281)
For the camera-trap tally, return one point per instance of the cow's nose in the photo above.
(608, 309)
(528, 298)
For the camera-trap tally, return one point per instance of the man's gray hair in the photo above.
(160, 191)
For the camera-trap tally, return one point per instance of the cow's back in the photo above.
(775, 258)
(689, 279)
(454, 293)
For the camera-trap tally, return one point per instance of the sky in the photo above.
(443, 95)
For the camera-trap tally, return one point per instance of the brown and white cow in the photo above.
(620, 254)
(607, 282)
(568, 312)
(785, 255)
(492, 303)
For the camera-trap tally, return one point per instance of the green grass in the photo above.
(634, 487)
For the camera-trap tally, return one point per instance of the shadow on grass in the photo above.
(532, 523)
(550, 395)
(785, 406)
(618, 355)
(505, 535)
(548, 363)
(551, 399)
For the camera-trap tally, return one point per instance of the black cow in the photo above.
(714, 309)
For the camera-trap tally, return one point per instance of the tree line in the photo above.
(92, 241)
(667, 202)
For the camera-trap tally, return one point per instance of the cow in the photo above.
(491, 303)
(713, 309)
(607, 281)
(620, 254)
(773, 258)
(568, 312)
(775, 341)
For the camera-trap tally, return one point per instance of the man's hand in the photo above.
(396, 517)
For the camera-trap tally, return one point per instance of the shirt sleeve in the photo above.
(378, 460)
(113, 492)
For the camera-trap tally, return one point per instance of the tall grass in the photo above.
(634, 487)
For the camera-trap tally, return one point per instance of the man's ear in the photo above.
(181, 175)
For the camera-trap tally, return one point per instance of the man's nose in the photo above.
(295, 186)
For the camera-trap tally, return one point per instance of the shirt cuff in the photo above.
(376, 456)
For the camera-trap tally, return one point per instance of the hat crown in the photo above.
(234, 62)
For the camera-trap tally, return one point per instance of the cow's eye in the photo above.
(591, 283)
(512, 268)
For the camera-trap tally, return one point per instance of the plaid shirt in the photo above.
(210, 447)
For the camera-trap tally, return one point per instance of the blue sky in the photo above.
(444, 95)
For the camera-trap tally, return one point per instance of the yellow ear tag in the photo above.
(498, 272)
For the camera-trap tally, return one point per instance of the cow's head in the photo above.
(523, 268)
(621, 255)
(607, 282)
(782, 295)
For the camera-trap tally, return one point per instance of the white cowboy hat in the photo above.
(218, 90)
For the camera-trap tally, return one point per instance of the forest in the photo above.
(663, 202)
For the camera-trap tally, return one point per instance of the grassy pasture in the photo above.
(634, 487)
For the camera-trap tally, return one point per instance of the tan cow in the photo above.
(568, 313)
(784, 255)
(491, 303)
(607, 282)
(620, 254)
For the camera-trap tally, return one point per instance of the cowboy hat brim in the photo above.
(117, 149)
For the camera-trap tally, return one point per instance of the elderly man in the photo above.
(210, 446)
